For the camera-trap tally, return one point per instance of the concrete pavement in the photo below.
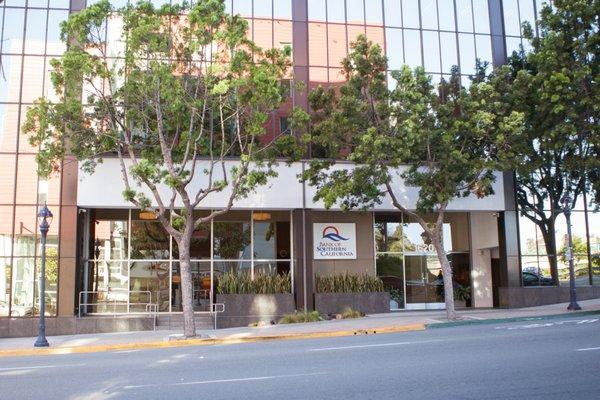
(377, 323)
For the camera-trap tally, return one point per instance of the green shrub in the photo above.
(348, 283)
(232, 283)
(301, 316)
(349, 313)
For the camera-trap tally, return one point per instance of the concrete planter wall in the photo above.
(367, 303)
(244, 309)
(23, 327)
(515, 297)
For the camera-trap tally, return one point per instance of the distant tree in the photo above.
(447, 141)
(555, 87)
(187, 92)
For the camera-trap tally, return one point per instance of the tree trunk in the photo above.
(548, 234)
(446, 272)
(187, 296)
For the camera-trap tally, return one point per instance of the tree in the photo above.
(555, 86)
(447, 142)
(188, 92)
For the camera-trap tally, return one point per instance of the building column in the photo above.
(508, 223)
(303, 263)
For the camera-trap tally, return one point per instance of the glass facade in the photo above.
(29, 40)
(134, 263)
(137, 260)
(407, 262)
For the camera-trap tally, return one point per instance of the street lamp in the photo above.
(566, 202)
(44, 219)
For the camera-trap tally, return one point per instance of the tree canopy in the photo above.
(446, 140)
(555, 87)
(173, 92)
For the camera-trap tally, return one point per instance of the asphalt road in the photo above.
(549, 359)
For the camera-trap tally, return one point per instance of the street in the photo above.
(542, 359)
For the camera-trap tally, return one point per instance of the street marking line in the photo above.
(376, 345)
(256, 378)
(40, 367)
(589, 349)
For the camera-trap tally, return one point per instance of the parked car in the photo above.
(535, 279)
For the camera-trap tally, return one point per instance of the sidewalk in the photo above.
(376, 323)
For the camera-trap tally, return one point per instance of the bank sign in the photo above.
(334, 241)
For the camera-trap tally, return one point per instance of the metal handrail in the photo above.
(115, 301)
(216, 309)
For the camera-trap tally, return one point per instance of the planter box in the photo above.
(244, 309)
(367, 303)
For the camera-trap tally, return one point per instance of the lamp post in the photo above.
(566, 202)
(45, 219)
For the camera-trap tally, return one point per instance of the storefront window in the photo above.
(4, 286)
(149, 240)
(594, 235)
(22, 287)
(149, 284)
(127, 271)
(231, 240)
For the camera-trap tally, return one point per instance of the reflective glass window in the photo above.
(464, 15)
(5, 269)
(263, 8)
(54, 45)
(12, 40)
(33, 78)
(466, 48)
(410, 13)
(7, 179)
(481, 16)
(149, 240)
(393, 13)
(512, 24)
(394, 48)
(242, 7)
(317, 10)
(429, 17)
(512, 44)
(149, 284)
(9, 114)
(231, 240)
(10, 79)
(36, 31)
(6, 230)
(594, 242)
(431, 51)
(484, 47)
(527, 12)
(228, 6)
(335, 11)
(448, 50)
(264, 240)
(355, 11)
(110, 239)
(282, 9)
(60, 3)
(412, 48)
(22, 288)
(580, 249)
(317, 49)
(373, 12)
(37, 3)
(446, 15)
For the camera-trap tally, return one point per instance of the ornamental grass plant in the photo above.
(233, 283)
(348, 283)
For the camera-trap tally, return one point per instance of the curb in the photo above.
(440, 325)
(205, 341)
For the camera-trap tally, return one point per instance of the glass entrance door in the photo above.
(424, 282)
